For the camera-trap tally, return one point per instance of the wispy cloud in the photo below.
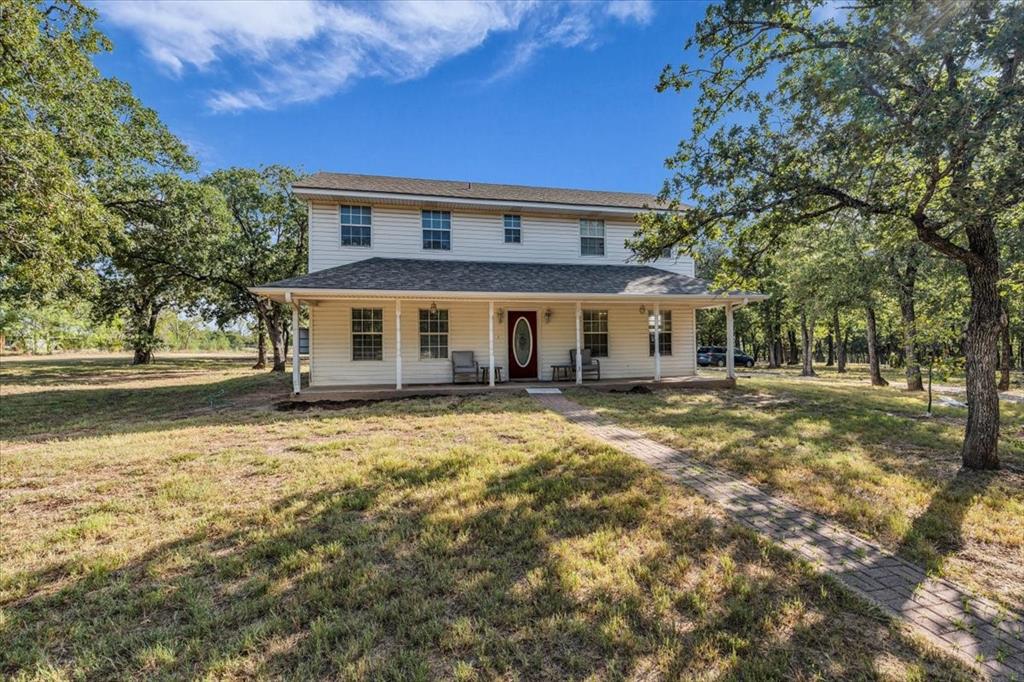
(640, 11)
(290, 52)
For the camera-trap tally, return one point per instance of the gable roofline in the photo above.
(385, 188)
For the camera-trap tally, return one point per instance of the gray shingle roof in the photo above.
(474, 190)
(402, 274)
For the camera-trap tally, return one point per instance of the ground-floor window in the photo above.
(595, 332)
(367, 334)
(433, 334)
(665, 339)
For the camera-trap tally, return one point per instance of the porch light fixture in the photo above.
(547, 314)
(433, 308)
(643, 310)
(501, 314)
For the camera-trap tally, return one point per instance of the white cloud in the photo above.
(303, 50)
(640, 11)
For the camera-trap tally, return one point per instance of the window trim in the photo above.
(353, 333)
(422, 334)
(342, 224)
(518, 228)
(423, 246)
(589, 222)
(606, 333)
(666, 316)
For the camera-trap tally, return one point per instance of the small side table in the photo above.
(485, 371)
(561, 370)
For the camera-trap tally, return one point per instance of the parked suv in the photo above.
(715, 355)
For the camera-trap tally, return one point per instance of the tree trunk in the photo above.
(981, 441)
(273, 320)
(261, 344)
(840, 337)
(906, 285)
(876, 371)
(275, 330)
(142, 353)
(844, 343)
(1006, 355)
(830, 360)
(793, 359)
(807, 331)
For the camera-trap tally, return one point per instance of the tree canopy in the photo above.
(910, 114)
(75, 148)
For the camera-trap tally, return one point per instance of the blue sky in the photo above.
(549, 93)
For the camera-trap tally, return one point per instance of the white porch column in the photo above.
(730, 344)
(296, 366)
(579, 343)
(490, 343)
(398, 344)
(657, 342)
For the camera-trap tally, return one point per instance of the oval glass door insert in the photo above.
(522, 342)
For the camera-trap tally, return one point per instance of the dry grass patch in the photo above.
(476, 538)
(863, 456)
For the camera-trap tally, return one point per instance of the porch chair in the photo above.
(463, 364)
(589, 364)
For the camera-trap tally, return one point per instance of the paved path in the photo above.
(972, 628)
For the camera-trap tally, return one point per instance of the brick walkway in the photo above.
(975, 629)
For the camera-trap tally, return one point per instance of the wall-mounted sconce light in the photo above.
(547, 314)
(643, 310)
(501, 314)
(433, 308)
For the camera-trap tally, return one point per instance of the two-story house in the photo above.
(532, 280)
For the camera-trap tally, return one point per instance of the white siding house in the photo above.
(403, 273)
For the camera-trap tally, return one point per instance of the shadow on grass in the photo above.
(571, 564)
(937, 532)
(863, 457)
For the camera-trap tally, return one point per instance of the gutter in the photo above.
(313, 192)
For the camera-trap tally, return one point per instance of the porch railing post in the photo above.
(657, 342)
(730, 343)
(398, 344)
(296, 366)
(579, 343)
(490, 343)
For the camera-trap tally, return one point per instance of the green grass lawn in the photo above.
(866, 457)
(166, 522)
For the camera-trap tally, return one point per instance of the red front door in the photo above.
(522, 344)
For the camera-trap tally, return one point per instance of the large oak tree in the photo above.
(74, 146)
(908, 112)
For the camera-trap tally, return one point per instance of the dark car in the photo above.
(715, 355)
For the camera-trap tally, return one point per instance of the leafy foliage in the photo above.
(75, 149)
(909, 114)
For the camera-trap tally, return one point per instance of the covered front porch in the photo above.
(369, 344)
(407, 323)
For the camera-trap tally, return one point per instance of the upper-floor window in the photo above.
(355, 225)
(591, 237)
(513, 229)
(437, 230)
(595, 332)
(367, 334)
(433, 334)
(666, 252)
(665, 338)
